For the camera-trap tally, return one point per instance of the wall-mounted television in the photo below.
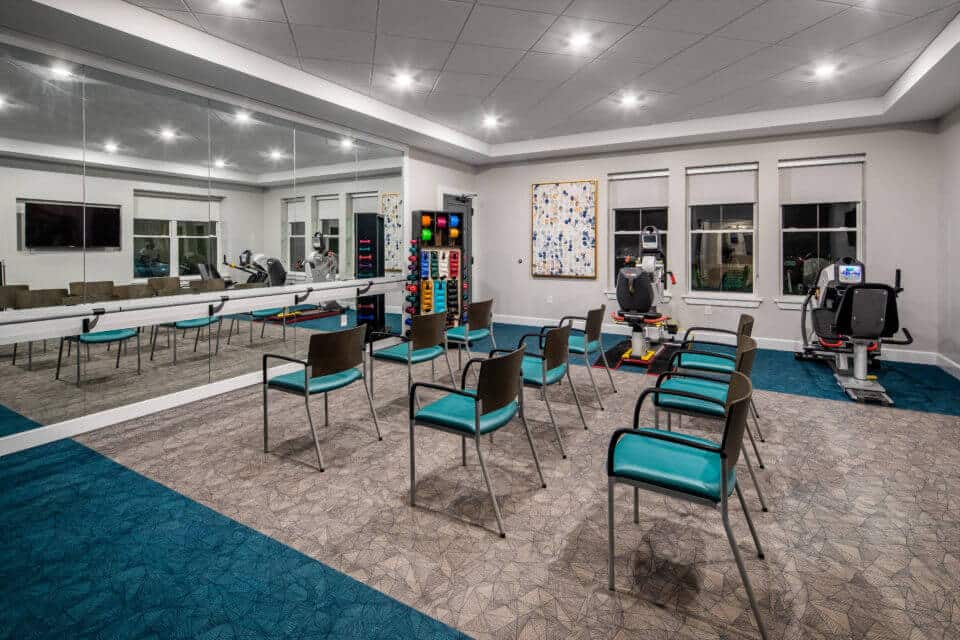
(58, 225)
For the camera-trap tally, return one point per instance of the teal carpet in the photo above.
(93, 550)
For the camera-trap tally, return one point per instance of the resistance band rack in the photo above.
(438, 277)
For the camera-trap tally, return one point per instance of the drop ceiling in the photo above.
(684, 59)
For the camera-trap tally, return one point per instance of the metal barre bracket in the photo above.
(362, 291)
(90, 323)
(213, 309)
(297, 299)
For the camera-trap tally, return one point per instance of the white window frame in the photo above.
(798, 298)
(612, 249)
(753, 231)
(174, 266)
(175, 245)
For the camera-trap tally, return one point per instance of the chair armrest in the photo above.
(471, 361)
(685, 374)
(686, 335)
(267, 356)
(697, 352)
(437, 387)
(681, 394)
(540, 338)
(656, 435)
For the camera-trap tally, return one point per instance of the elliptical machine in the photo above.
(851, 321)
(259, 268)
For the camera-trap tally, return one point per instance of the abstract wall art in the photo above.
(391, 208)
(563, 217)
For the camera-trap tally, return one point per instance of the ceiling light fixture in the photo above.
(276, 154)
(243, 116)
(3, 102)
(825, 70)
(579, 40)
(403, 80)
(629, 100)
(346, 144)
(168, 134)
(110, 146)
(219, 163)
(490, 121)
(61, 71)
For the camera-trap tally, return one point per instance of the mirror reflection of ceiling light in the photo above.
(579, 40)
(3, 102)
(61, 71)
(346, 144)
(490, 121)
(167, 134)
(403, 80)
(276, 154)
(110, 146)
(219, 163)
(825, 70)
(629, 100)
(243, 117)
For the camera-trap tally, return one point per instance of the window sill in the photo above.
(666, 298)
(742, 301)
(790, 303)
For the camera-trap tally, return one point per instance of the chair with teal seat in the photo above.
(684, 467)
(548, 368)
(118, 336)
(469, 413)
(425, 343)
(479, 326)
(186, 325)
(586, 341)
(716, 390)
(331, 364)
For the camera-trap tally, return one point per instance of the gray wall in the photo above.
(950, 237)
(901, 217)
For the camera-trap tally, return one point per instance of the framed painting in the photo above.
(391, 208)
(563, 234)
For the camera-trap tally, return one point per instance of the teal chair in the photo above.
(479, 326)
(548, 368)
(425, 343)
(684, 467)
(186, 325)
(716, 390)
(586, 341)
(118, 336)
(331, 364)
(469, 413)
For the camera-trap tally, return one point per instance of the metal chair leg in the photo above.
(533, 450)
(610, 534)
(463, 451)
(743, 571)
(59, 359)
(746, 514)
(553, 421)
(233, 322)
(78, 364)
(413, 469)
(15, 354)
(316, 440)
(326, 410)
(493, 497)
(138, 351)
(756, 422)
(453, 378)
(596, 390)
(756, 485)
(576, 398)
(30, 355)
(606, 366)
(755, 450)
(172, 336)
(636, 505)
(153, 340)
(119, 350)
(196, 341)
(265, 448)
(373, 411)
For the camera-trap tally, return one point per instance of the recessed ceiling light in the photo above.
(825, 70)
(403, 80)
(219, 163)
(61, 71)
(110, 146)
(168, 134)
(629, 100)
(579, 40)
(3, 102)
(276, 154)
(490, 121)
(243, 116)
(346, 144)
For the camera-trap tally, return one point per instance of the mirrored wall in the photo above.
(120, 194)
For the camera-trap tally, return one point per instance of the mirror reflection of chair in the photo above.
(87, 292)
(684, 467)
(164, 285)
(469, 413)
(588, 340)
(478, 327)
(113, 336)
(425, 343)
(236, 318)
(132, 292)
(35, 299)
(331, 364)
(205, 322)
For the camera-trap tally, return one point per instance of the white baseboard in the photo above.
(392, 308)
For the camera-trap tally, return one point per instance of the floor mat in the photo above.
(93, 550)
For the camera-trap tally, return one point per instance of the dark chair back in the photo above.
(39, 298)
(738, 404)
(8, 294)
(556, 347)
(336, 351)
(165, 286)
(92, 291)
(500, 381)
(746, 354)
(480, 315)
(745, 325)
(594, 324)
(132, 291)
(428, 330)
(205, 286)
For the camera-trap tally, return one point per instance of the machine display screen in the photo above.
(851, 274)
(650, 241)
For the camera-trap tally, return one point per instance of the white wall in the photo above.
(241, 211)
(949, 312)
(901, 215)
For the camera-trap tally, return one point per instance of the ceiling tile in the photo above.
(713, 53)
(334, 44)
(408, 100)
(451, 106)
(499, 27)
(183, 17)
(411, 52)
(255, 9)
(548, 6)
(910, 7)
(844, 29)
(915, 34)
(700, 16)
(466, 84)
(383, 80)
(357, 15)
(548, 67)
(430, 19)
(615, 72)
(623, 11)
(848, 66)
(475, 58)
(770, 61)
(270, 38)
(353, 75)
(172, 5)
(652, 46)
(602, 36)
(779, 19)
(669, 77)
(516, 95)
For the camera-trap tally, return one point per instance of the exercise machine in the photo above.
(639, 291)
(851, 320)
(323, 262)
(259, 268)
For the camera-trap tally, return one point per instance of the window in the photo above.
(197, 244)
(815, 236)
(628, 224)
(298, 245)
(151, 248)
(721, 248)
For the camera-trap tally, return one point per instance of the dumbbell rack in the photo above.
(438, 278)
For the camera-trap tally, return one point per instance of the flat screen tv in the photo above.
(54, 225)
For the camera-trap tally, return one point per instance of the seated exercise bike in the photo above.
(639, 291)
(259, 268)
(852, 319)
